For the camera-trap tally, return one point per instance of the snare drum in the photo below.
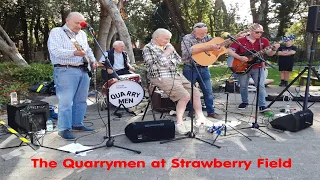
(124, 92)
(131, 77)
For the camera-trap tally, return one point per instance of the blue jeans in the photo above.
(244, 83)
(72, 86)
(206, 90)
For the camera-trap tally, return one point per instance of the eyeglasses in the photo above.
(200, 26)
(258, 32)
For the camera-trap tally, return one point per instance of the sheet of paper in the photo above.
(74, 147)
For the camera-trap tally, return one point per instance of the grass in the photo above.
(219, 73)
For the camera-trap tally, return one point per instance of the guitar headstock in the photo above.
(288, 38)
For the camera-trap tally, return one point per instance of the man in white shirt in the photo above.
(119, 60)
(70, 76)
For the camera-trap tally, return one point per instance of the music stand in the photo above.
(255, 124)
(191, 134)
(110, 141)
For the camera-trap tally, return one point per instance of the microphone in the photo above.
(231, 38)
(86, 25)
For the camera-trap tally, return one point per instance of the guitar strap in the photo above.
(71, 38)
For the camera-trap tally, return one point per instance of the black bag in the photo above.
(44, 88)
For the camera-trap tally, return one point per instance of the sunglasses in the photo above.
(258, 32)
(200, 26)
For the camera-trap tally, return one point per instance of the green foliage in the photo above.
(20, 79)
(35, 73)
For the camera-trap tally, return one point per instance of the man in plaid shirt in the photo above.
(199, 35)
(161, 62)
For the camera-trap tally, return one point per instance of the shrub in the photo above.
(14, 77)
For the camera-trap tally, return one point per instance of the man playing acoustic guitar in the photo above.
(253, 42)
(199, 35)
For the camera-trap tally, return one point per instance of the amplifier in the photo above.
(18, 116)
(294, 122)
(145, 131)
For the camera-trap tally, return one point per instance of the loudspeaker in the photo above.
(294, 122)
(313, 23)
(18, 116)
(150, 131)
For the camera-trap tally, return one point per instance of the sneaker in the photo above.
(81, 128)
(213, 115)
(243, 106)
(66, 134)
(263, 109)
(180, 129)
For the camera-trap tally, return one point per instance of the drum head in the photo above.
(126, 92)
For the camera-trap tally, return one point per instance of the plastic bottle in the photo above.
(49, 125)
(287, 110)
(202, 130)
(14, 97)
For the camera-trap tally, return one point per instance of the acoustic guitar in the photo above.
(239, 67)
(207, 58)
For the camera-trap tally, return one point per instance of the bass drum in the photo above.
(124, 92)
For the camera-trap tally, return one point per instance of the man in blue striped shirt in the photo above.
(70, 77)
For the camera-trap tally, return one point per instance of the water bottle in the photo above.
(287, 110)
(14, 97)
(49, 125)
(202, 130)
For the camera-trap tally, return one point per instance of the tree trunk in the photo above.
(120, 25)
(36, 33)
(45, 38)
(8, 48)
(176, 16)
(105, 24)
(24, 28)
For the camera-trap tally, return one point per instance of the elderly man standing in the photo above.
(161, 61)
(70, 77)
(199, 35)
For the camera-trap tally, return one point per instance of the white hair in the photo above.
(116, 43)
(70, 15)
(161, 31)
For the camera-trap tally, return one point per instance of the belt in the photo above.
(197, 65)
(68, 66)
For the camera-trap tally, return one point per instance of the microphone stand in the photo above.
(255, 124)
(110, 142)
(191, 134)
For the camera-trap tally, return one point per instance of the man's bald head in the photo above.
(73, 21)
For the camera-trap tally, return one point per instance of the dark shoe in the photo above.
(213, 115)
(82, 128)
(263, 109)
(243, 106)
(66, 134)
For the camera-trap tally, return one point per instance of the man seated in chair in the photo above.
(119, 60)
(162, 71)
